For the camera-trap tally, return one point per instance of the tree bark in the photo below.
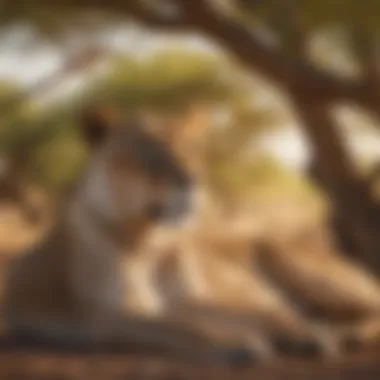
(355, 215)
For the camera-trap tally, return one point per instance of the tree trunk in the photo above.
(355, 215)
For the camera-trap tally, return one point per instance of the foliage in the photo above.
(167, 81)
(173, 79)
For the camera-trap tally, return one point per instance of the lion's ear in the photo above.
(97, 122)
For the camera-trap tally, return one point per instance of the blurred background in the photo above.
(289, 90)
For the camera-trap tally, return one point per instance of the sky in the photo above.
(18, 61)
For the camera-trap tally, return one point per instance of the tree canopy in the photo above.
(166, 82)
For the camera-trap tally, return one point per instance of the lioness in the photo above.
(326, 284)
(71, 288)
(202, 272)
(296, 290)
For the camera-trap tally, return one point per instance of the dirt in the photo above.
(21, 364)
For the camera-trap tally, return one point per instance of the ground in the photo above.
(48, 366)
(20, 363)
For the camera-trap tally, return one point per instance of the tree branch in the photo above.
(136, 9)
(365, 48)
(291, 73)
(200, 15)
(142, 13)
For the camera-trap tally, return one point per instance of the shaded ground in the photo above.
(19, 364)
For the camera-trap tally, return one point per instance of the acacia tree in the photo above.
(273, 38)
(284, 59)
